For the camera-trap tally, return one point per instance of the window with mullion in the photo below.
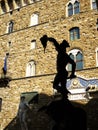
(30, 70)
(79, 61)
(69, 65)
(77, 56)
(94, 6)
(76, 7)
(74, 33)
(70, 9)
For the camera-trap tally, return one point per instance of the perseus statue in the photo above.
(63, 59)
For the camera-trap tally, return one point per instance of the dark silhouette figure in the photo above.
(65, 115)
(62, 60)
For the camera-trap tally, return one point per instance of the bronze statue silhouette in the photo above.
(62, 60)
(65, 115)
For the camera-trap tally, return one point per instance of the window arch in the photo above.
(74, 33)
(69, 65)
(73, 7)
(34, 19)
(93, 4)
(76, 7)
(30, 69)
(77, 56)
(10, 26)
(33, 44)
(79, 61)
(96, 57)
(70, 9)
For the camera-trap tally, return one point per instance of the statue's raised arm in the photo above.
(45, 39)
(56, 44)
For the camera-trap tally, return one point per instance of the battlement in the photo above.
(10, 5)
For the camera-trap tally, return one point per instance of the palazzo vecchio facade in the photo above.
(28, 70)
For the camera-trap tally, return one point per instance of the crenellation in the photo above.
(8, 8)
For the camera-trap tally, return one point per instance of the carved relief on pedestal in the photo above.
(75, 83)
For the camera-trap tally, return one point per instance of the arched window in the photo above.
(30, 69)
(93, 4)
(97, 57)
(33, 44)
(77, 56)
(10, 26)
(73, 7)
(69, 65)
(79, 61)
(74, 33)
(76, 7)
(70, 9)
(34, 19)
(3, 6)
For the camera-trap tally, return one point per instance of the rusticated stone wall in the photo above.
(11, 95)
(20, 52)
(43, 85)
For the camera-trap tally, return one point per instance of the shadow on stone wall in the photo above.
(4, 82)
(69, 114)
